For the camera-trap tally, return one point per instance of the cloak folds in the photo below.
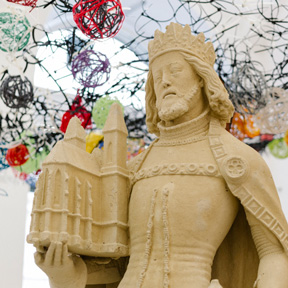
(249, 179)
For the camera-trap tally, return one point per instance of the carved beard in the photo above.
(178, 108)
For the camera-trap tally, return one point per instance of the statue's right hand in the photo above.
(63, 270)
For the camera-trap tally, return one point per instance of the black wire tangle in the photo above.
(126, 84)
(135, 122)
(41, 142)
(48, 113)
(267, 36)
(40, 122)
(69, 41)
(247, 87)
(13, 124)
(63, 6)
(74, 45)
(16, 92)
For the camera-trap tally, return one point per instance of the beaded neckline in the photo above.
(184, 133)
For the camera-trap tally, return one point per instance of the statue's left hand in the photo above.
(63, 270)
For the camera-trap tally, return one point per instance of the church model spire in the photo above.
(115, 176)
(115, 137)
(77, 199)
(75, 134)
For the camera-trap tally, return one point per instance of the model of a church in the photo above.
(78, 194)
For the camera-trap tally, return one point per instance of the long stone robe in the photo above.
(249, 179)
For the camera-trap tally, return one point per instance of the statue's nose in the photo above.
(166, 82)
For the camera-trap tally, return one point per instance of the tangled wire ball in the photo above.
(98, 19)
(247, 89)
(31, 3)
(273, 118)
(101, 110)
(14, 32)
(18, 155)
(91, 69)
(16, 92)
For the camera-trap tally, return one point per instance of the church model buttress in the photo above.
(78, 194)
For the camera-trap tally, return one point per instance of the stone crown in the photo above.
(178, 38)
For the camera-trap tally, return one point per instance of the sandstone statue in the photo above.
(197, 209)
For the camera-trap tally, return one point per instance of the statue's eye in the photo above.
(175, 69)
(157, 78)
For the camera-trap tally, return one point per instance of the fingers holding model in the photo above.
(64, 270)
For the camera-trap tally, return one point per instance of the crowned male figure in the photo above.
(203, 205)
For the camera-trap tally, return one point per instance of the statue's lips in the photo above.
(169, 95)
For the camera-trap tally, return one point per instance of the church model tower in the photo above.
(78, 194)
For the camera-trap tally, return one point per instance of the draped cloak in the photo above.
(249, 179)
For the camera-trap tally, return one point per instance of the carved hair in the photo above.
(220, 105)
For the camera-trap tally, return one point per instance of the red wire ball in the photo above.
(78, 110)
(31, 3)
(18, 155)
(98, 19)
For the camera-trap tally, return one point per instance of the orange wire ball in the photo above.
(98, 19)
(243, 126)
(286, 137)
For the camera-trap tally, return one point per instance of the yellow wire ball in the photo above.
(92, 141)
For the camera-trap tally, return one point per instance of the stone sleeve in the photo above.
(265, 241)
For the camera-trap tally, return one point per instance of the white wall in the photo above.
(33, 276)
(279, 170)
(13, 198)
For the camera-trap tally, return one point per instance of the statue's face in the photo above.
(177, 88)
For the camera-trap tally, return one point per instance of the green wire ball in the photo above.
(14, 32)
(101, 110)
(34, 162)
(278, 148)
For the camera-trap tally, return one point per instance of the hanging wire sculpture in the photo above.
(101, 110)
(278, 148)
(92, 141)
(18, 155)
(14, 31)
(74, 45)
(247, 88)
(286, 137)
(98, 19)
(13, 124)
(78, 110)
(91, 69)
(36, 155)
(220, 20)
(273, 118)
(16, 92)
(31, 3)
(242, 126)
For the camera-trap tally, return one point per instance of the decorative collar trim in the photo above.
(188, 132)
